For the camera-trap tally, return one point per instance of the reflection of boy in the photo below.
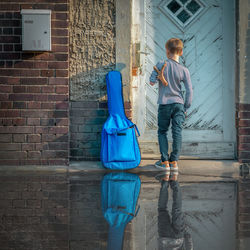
(172, 107)
(172, 235)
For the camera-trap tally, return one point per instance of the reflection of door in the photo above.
(207, 30)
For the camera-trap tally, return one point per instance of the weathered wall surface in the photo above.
(243, 91)
(34, 89)
(92, 55)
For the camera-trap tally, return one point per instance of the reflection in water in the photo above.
(173, 234)
(120, 192)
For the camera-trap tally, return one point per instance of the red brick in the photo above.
(4, 97)
(19, 138)
(34, 154)
(41, 130)
(48, 154)
(21, 97)
(48, 122)
(8, 7)
(34, 105)
(5, 137)
(244, 147)
(41, 97)
(24, 64)
(6, 105)
(42, 56)
(244, 155)
(41, 65)
(48, 105)
(33, 121)
(58, 97)
(62, 89)
(34, 81)
(244, 115)
(61, 7)
(60, 15)
(60, 40)
(37, 113)
(34, 89)
(19, 121)
(58, 65)
(6, 122)
(47, 73)
(28, 146)
(244, 131)
(62, 105)
(9, 80)
(48, 89)
(62, 122)
(244, 123)
(13, 155)
(5, 88)
(19, 89)
(61, 57)
(244, 138)
(58, 81)
(244, 107)
(9, 56)
(12, 113)
(59, 24)
(41, 146)
(17, 129)
(59, 32)
(9, 39)
(58, 145)
(60, 48)
(19, 105)
(34, 138)
(10, 146)
(8, 47)
(58, 130)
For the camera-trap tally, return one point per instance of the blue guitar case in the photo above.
(119, 148)
(120, 193)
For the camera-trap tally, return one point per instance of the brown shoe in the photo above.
(164, 166)
(173, 166)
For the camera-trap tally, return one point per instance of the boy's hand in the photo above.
(185, 114)
(152, 83)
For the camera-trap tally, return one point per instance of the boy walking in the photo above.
(172, 107)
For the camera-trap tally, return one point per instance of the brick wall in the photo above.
(243, 132)
(92, 55)
(33, 89)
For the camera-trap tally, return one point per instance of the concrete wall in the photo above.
(243, 90)
(92, 55)
(33, 89)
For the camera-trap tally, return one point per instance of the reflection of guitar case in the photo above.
(119, 149)
(120, 193)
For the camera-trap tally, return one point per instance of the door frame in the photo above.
(229, 80)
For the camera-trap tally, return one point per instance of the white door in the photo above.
(207, 30)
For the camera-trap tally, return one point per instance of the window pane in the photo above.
(183, 16)
(173, 6)
(193, 6)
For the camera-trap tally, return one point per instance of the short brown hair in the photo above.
(174, 45)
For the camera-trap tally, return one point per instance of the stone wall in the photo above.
(92, 55)
(33, 89)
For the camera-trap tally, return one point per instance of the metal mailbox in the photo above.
(36, 30)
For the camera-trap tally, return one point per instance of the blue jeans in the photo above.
(167, 113)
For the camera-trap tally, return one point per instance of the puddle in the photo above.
(123, 211)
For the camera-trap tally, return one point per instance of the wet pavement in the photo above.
(111, 210)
